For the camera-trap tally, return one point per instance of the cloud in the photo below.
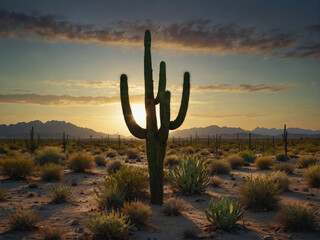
(210, 116)
(202, 35)
(311, 50)
(61, 100)
(94, 84)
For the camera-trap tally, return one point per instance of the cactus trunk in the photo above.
(156, 139)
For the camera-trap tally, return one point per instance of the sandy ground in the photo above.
(71, 216)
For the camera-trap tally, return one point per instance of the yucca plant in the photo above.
(224, 213)
(190, 176)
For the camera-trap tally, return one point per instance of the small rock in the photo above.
(296, 189)
(81, 192)
(200, 200)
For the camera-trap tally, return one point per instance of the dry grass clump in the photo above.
(100, 161)
(260, 193)
(307, 161)
(132, 153)
(188, 150)
(113, 166)
(312, 175)
(49, 155)
(23, 220)
(138, 212)
(220, 167)
(262, 163)
(236, 162)
(280, 178)
(110, 198)
(171, 160)
(109, 225)
(80, 162)
(216, 181)
(281, 158)
(111, 153)
(2, 194)
(247, 156)
(173, 206)
(17, 167)
(297, 217)
(52, 233)
(51, 171)
(61, 193)
(204, 152)
(284, 167)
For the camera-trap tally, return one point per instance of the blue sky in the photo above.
(252, 63)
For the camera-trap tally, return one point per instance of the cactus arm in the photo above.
(184, 103)
(162, 82)
(164, 116)
(134, 128)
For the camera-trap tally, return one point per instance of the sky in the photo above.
(252, 63)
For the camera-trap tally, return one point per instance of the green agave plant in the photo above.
(190, 176)
(225, 213)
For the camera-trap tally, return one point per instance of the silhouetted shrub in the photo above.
(247, 156)
(113, 166)
(132, 153)
(100, 161)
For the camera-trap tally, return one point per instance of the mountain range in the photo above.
(54, 129)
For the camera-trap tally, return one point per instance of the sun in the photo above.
(139, 114)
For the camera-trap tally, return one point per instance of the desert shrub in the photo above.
(297, 216)
(190, 176)
(138, 212)
(235, 161)
(110, 198)
(188, 150)
(280, 178)
(216, 181)
(262, 163)
(113, 166)
(23, 219)
(284, 167)
(17, 167)
(111, 153)
(171, 160)
(49, 155)
(100, 160)
(281, 158)
(247, 156)
(3, 150)
(172, 152)
(220, 167)
(204, 152)
(132, 153)
(173, 206)
(51, 171)
(129, 179)
(306, 161)
(224, 214)
(2, 194)
(52, 233)
(109, 225)
(312, 175)
(80, 162)
(260, 193)
(61, 193)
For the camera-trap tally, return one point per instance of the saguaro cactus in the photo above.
(32, 144)
(285, 140)
(64, 141)
(156, 138)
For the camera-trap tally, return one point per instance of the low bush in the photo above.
(280, 178)
(132, 153)
(111, 153)
(236, 162)
(188, 150)
(109, 225)
(17, 167)
(190, 176)
(23, 220)
(224, 214)
(138, 212)
(113, 166)
(297, 217)
(220, 167)
(100, 161)
(61, 193)
(110, 198)
(260, 193)
(171, 160)
(312, 175)
(204, 152)
(247, 156)
(284, 167)
(281, 158)
(173, 206)
(216, 181)
(49, 155)
(130, 180)
(51, 171)
(263, 163)
(80, 162)
(306, 161)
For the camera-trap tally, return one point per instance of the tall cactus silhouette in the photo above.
(156, 138)
(285, 140)
(64, 141)
(32, 144)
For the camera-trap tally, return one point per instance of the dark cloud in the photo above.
(201, 35)
(311, 50)
(36, 99)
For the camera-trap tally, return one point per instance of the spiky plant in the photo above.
(156, 138)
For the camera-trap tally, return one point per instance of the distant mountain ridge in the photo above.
(50, 129)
